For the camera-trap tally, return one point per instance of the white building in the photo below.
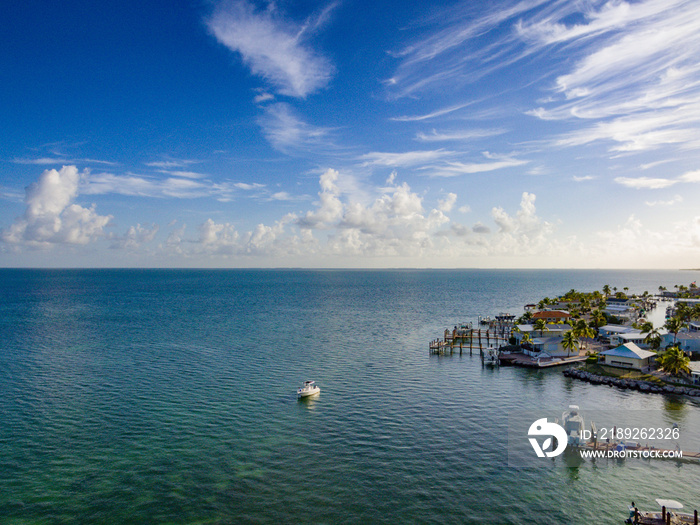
(629, 356)
(694, 375)
(609, 334)
(546, 341)
(636, 337)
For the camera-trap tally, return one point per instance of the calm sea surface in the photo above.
(168, 396)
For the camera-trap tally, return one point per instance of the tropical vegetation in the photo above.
(674, 361)
(570, 342)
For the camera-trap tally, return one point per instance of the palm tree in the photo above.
(695, 312)
(606, 290)
(569, 342)
(540, 326)
(598, 318)
(596, 298)
(674, 325)
(674, 361)
(653, 337)
(525, 318)
(585, 305)
(683, 311)
(583, 331)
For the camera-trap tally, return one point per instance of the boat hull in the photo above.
(309, 393)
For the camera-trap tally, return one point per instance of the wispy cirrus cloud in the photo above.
(287, 131)
(143, 186)
(458, 135)
(459, 47)
(675, 200)
(549, 28)
(185, 174)
(631, 77)
(635, 80)
(658, 183)
(405, 159)
(55, 161)
(439, 163)
(249, 186)
(433, 114)
(174, 187)
(170, 164)
(494, 162)
(650, 183)
(274, 48)
(40, 161)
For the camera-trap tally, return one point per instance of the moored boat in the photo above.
(309, 388)
(669, 513)
(490, 356)
(573, 423)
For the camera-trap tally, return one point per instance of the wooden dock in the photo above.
(665, 517)
(519, 359)
(465, 338)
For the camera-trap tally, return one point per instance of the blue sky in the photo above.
(531, 133)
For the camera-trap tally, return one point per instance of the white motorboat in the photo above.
(573, 424)
(490, 356)
(309, 388)
(669, 512)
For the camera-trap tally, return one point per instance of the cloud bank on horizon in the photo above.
(529, 133)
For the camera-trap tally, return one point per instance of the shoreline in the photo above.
(646, 387)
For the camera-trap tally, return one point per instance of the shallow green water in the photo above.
(168, 397)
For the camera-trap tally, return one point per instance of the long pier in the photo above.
(465, 338)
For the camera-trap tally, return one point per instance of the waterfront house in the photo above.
(688, 341)
(694, 375)
(635, 337)
(609, 334)
(625, 312)
(552, 316)
(548, 341)
(628, 355)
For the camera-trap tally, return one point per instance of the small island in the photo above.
(607, 334)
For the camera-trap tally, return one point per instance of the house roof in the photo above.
(551, 314)
(632, 336)
(618, 328)
(550, 328)
(628, 350)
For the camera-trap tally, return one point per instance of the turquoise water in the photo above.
(168, 396)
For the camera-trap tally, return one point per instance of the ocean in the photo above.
(168, 396)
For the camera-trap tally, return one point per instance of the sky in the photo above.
(350, 134)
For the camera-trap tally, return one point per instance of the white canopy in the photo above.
(669, 503)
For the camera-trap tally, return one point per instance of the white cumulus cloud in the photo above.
(51, 217)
